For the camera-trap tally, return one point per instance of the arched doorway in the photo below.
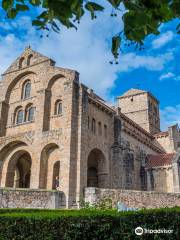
(97, 174)
(19, 170)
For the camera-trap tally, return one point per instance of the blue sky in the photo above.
(87, 50)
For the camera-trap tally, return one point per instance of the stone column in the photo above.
(176, 176)
(35, 169)
(116, 166)
(82, 125)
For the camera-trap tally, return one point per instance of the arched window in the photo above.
(29, 59)
(21, 62)
(20, 116)
(29, 116)
(26, 90)
(58, 107)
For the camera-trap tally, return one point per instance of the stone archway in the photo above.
(97, 174)
(19, 170)
(6, 152)
(49, 155)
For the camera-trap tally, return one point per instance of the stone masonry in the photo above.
(132, 199)
(55, 131)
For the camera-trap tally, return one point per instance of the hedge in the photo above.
(86, 224)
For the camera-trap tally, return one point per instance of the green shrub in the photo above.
(28, 224)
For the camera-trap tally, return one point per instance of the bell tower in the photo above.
(141, 107)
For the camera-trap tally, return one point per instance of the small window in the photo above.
(93, 127)
(26, 90)
(29, 60)
(99, 128)
(105, 131)
(58, 107)
(20, 116)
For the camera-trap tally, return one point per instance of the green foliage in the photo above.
(104, 204)
(142, 18)
(83, 203)
(86, 224)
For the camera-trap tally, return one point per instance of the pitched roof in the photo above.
(159, 160)
(133, 92)
(38, 58)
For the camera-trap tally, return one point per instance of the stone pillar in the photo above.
(35, 170)
(116, 166)
(43, 110)
(9, 180)
(148, 181)
(176, 176)
(82, 135)
(4, 107)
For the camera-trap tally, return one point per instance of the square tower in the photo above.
(141, 107)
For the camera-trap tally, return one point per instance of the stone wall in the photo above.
(136, 199)
(21, 198)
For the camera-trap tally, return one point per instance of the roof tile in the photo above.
(159, 160)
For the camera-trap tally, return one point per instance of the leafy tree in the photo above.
(142, 18)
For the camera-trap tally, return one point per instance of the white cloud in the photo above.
(163, 39)
(169, 75)
(87, 50)
(170, 116)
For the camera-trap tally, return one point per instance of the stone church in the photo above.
(51, 125)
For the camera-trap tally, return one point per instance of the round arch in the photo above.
(16, 162)
(48, 100)
(5, 153)
(10, 145)
(19, 170)
(97, 171)
(49, 155)
(53, 80)
(5, 103)
(14, 82)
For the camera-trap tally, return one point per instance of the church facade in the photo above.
(52, 126)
